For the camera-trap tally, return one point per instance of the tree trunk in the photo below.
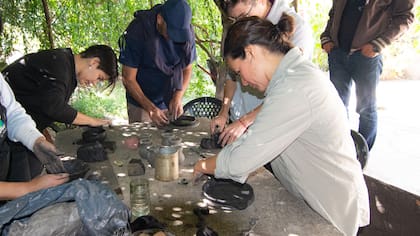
(48, 28)
(221, 69)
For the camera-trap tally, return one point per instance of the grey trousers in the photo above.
(137, 114)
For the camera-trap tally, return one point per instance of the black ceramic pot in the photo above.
(93, 134)
(184, 120)
(76, 168)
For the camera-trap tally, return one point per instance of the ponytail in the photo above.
(256, 31)
(286, 26)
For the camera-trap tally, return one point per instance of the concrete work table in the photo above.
(275, 210)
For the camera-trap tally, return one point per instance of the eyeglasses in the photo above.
(243, 14)
(235, 76)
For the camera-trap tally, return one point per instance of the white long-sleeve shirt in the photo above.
(20, 126)
(245, 99)
(303, 132)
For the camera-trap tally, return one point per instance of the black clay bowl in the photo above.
(76, 168)
(184, 120)
(228, 193)
(93, 134)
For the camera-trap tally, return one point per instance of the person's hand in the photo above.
(47, 155)
(368, 51)
(175, 109)
(47, 181)
(231, 133)
(202, 167)
(158, 116)
(100, 122)
(197, 172)
(218, 123)
(328, 47)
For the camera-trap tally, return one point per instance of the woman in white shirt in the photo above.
(241, 104)
(302, 130)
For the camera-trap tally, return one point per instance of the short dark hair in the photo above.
(256, 31)
(108, 61)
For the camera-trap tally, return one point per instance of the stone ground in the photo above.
(395, 157)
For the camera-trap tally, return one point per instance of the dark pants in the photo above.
(4, 159)
(23, 165)
(346, 68)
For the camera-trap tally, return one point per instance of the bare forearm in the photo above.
(186, 73)
(129, 75)
(82, 119)
(13, 190)
(136, 92)
(229, 91)
(249, 118)
(206, 166)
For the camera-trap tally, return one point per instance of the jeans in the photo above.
(346, 68)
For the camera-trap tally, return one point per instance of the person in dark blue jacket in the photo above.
(156, 52)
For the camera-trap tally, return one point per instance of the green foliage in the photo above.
(99, 102)
(316, 13)
(20, 18)
(78, 24)
(208, 28)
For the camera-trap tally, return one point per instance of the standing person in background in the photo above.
(301, 132)
(356, 33)
(156, 51)
(242, 102)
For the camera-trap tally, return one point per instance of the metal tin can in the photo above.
(166, 164)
